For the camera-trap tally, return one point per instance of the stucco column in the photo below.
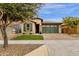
(59, 28)
(40, 28)
(33, 28)
(22, 27)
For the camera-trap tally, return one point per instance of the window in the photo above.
(28, 27)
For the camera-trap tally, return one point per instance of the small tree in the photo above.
(71, 22)
(12, 11)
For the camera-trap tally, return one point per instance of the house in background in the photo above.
(36, 25)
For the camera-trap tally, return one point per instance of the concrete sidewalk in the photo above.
(25, 41)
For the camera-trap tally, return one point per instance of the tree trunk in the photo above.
(4, 34)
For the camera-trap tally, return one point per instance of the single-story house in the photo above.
(36, 25)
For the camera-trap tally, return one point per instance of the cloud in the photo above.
(53, 5)
(57, 5)
(54, 20)
(69, 10)
(58, 9)
(55, 12)
(48, 8)
(45, 12)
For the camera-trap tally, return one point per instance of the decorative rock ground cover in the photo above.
(17, 49)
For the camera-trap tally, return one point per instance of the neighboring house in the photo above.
(36, 25)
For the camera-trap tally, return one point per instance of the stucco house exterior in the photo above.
(32, 26)
(36, 25)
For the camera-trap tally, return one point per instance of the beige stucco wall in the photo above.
(22, 27)
(60, 29)
(33, 28)
(40, 24)
(8, 30)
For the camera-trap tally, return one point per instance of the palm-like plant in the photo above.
(71, 22)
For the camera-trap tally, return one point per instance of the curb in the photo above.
(41, 51)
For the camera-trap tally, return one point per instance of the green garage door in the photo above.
(49, 29)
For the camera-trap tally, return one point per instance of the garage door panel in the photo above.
(49, 29)
(43, 29)
(55, 30)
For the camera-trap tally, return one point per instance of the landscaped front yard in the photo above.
(20, 49)
(29, 37)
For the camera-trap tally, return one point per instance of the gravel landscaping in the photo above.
(17, 49)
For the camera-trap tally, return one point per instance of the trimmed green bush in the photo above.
(29, 37)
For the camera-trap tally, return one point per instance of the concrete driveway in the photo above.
(62, 45)
(56, 36)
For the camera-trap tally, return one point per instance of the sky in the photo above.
(57, 11)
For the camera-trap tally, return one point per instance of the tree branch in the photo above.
(1, 14)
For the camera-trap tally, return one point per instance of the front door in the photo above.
(37, 28)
